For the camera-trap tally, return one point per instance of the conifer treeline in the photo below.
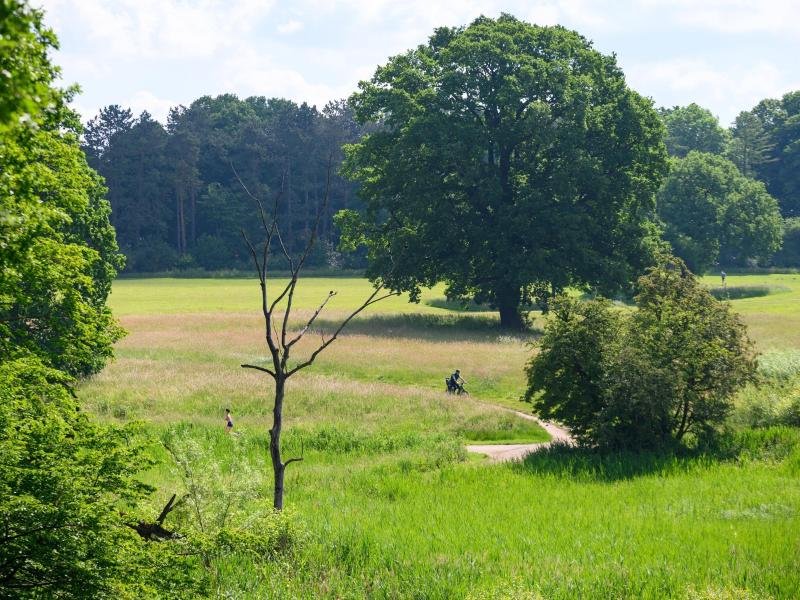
(176, 198)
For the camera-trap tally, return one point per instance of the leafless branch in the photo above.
(257, 200)
(252, 250)
(279, 347)
(310, 322)
(281, 296)
(257, 368)
(269, 229)
(323, 206)
(285, 324)
(372, 299)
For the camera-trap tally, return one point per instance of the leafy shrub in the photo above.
(776, 398)
(776, 403)
(63, 482)
(789, 254)
(266, 537)
(772, 443)
(221, 512)
(212, 252)
(151, 256)
(647, 378)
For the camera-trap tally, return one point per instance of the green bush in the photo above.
(63, 483)
(776, 402)
(789, 254)
(644, 379)
(212, 253)
(150, 256)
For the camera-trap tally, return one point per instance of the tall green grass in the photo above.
(386, 502)
(565, 523)
(779, 364)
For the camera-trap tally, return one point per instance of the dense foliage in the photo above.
(505, 147)
(25, 71)
(789, 254)
(763, 145)
(769, 141)
(713, 214)
(176, 198)
(58, 253)
(64, 480)
(749, 146)
(693, 127)
(643, 379)
(177, 203)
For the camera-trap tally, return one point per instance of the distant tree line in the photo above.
(732, 199)
(178, 191)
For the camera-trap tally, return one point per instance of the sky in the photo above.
(726, 55)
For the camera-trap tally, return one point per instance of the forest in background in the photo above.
(178, 204)
(176, 195)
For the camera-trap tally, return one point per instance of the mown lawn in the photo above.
(386, 502)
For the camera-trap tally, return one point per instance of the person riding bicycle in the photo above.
(455, 384)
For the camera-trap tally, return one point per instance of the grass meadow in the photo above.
(387, 504)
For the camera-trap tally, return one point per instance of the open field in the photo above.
(388, 505)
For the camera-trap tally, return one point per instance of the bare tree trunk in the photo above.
(278, 337)
(684, 426)
(278, 467)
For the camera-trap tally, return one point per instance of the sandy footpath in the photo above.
(505, 452)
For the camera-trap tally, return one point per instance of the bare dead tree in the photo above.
(278, 339)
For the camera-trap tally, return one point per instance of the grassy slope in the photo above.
(391, 505)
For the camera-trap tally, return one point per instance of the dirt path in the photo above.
(506, 452)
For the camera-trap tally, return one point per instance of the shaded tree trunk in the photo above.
(181, 220)
(507, 299)
(193, 216)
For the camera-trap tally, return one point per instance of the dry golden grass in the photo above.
(185, 367)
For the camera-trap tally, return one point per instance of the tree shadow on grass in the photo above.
(431, 327)
(739, 292)
(587, 464)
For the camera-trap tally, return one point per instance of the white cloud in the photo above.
(148, 50)
(543, 14)
(731, 16)
(250, 73)
(146, 100)
(292, 26)
(143, 100)
(81, 67)
(726, 89)
(162, 28)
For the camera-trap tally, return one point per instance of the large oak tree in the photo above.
(512, 159)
